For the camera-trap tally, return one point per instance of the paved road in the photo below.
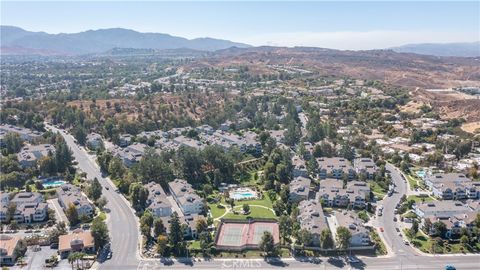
(121, 221)
(392, 239)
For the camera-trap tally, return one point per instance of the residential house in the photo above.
(299, 189)
(366, 166)
(440, 209)
(71, 195)
(189, 142)
(452, 186)
(30, 154)
(335, 167)
(8, 247)
(157, 201)
(185, 196)
(332, 193)
(312, 219)
(78, 241)
(360, 234)
(94, 141)
(24, 133)
(130, 154)
(299, 167)
(125, 140)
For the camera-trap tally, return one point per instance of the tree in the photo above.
(72, 215)
(12, 208)
(12, 142)
(154, 167)
(176, 234)
(95, 190)
(99, 232)
(326, 240)
(267, 244)
(158, 227)
(414, 227)
(80, 134)
(427, 225)
(440, 228)
(343, 237)
(201, 225)
(76, 257)
(138, 196)
(207, 189)
(305, 237)
(102, 202)
(205, 241)
(146, 222)
(464, 241)
(246, 208)
(162, 242)
(285, 227)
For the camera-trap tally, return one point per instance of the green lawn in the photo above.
(376, 189)
(265, 201)
(255, 212)
(194, 244)
(216, 212)
(419, 199)
(412, 181)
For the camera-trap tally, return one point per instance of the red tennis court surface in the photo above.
(244, 234)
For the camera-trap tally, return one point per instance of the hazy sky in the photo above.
(342, 25)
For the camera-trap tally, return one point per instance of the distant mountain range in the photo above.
(114, 41)
(467, 49)
(15, 40)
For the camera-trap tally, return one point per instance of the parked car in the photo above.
(395, 219)
(352, 259)
(450, 267)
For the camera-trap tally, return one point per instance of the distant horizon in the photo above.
(266, 45)
(336, 25)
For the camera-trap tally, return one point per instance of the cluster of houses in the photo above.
(29, 207)
(131, 152)
(332, 191)
(458, 203)
(29, 155)
(24, 133)
(182, 199)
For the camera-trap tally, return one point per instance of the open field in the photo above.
(473, 127)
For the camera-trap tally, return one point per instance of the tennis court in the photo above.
(243, 234)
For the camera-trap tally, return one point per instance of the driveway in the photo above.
(55, 205)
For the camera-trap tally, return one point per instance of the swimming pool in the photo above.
(53, 183)
(243, 194)
(421, 174)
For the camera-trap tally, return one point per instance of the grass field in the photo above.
(216, 212)
(265, 201)
(255, 212)
(419, 199)
(412, 181)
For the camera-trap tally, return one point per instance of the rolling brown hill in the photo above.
(403, 69)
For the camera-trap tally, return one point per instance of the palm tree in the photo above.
(76, 257)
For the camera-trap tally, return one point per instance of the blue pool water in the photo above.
(243, 195)
(421, 174)
(53, 183)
